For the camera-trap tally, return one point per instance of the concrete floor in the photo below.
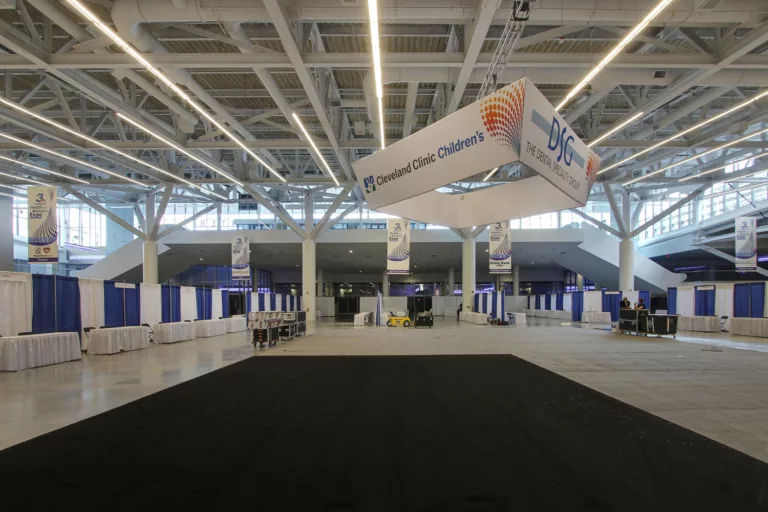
(719, 393)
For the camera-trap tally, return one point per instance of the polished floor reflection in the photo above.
(711, 383)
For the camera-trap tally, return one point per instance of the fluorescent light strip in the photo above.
(40, 169)
(373, 14)
(130, 50)
(317, 151)
(614, 52)
(722, 167)
(14, 188)
(35, 182)
(688, 130)
(11, 195)
(178, 148)
(83, 136)
(639, 178)
(490, 174)
(76, 161)
(746, 176)
(614, 130)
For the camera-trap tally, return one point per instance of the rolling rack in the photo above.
(263, 327)
(292, 324)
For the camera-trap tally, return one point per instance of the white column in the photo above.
(467, 274)
(320, 289)
(385, 284)
(579, 282)
(451, 283)
(516, 282)
(626, 265)
(218, 218)
(150, 262)
(308, 279)
(6, 233)
(497, 287)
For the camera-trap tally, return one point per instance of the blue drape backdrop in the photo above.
(646, 296)
(225, 303)
(171, 303)
(704, 302)
(756, 300)
(538, 302)
(114, 306)
(43, 304)
(248, 302)
(559, 302)
(262, 302)
(67, 304)
(284, 303)
(272, 302)
(741, 292)
(672, 301)
(611, 303)
(547, 302)
(577, 306)
(132, 306)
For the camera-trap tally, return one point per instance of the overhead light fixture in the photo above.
(38, 168)
(130, 50)
(11, 195)
(373, 14)
(490, 174)
(718, 148)
(615, 129)
(17, 189)
(747, 175)
(317, 151)
(34, 182)
(83, 136)
(613, 53)
(722, 167)
(178, 148)
(677, 135)
(76, 161)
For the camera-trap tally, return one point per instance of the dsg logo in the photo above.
(560, 140)
(370, 184)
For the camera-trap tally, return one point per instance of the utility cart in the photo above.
(424, 319)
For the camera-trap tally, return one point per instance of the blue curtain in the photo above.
(741, 300)
(132, 306)
(171, 303)
(494, 305)
(547, 302)
(225, 303)
(273, 302)
(67, 304)
(200, 299)
(298, 303)
(646, 296)
(672, 301)
(704, 302)
(477, 303)
(209, 304)
(284, 302)
(757, 300)
(114, 305)
(292, 302)
(611, 303)
(577, 306)
(43, 304)
(176, 303)
(165, 303)
(559, 302)
(538, 302)
(262, 302)
(248, 302)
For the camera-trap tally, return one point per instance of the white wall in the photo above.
(127, 257)
(514, 304)
(326, 306)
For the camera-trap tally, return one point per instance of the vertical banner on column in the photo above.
(746, 243)
(43, 227)
(398, 246)
(241, 257)
(500, 249)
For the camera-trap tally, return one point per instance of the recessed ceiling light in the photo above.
(201, 259)
(350, 250)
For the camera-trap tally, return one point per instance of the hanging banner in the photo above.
(398, 246)
(43, 227)
(241, 257)
(500, 249)
(746, 243)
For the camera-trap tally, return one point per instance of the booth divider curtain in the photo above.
(284, 303)
(248, 302)
(685, 301)
(559, 302)
(567, 301)
(273, 302)
(114, 305)
(43, 304)
(132, 306)
(577, 306)
(217, 305)
(151, 303)
(547, 302)
(537, 303)
(262, 302)
(476, 307)
(208, 310)
(724, 303)
(91, 305)
(611, 303)
(646, 296)
(298, 303)
(16, 301)
(741, 295)
(756, 300)
(292, 303)
(67, 304)
(672, 301)
(188, 303)
(592, 301)
(225, 303)
(171, 298)
(705, 302)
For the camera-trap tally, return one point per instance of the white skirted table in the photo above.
(596, 317)
(516, 318)
(750, 327)
(112, 341)
(698, 323)
(236, 323)
(473, 318)
(22, 352)
(360, 318)
(208, 328)
(174, 332)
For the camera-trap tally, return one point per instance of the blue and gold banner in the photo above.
(43, 226)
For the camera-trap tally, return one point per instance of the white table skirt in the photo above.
(473, 318)
(698, 323)
(596, 317)
(208, 328)
(750, 327)
(516, 318)
(21, 352)
(360, 318)
(112, 341)
(174, 332)
(236, 323)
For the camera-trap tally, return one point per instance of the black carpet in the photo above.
(379, 433)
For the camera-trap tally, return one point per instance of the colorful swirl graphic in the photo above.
(243, 261)
(48, 232)
(749, 249)
(502, 114)
(503, 251)
(402, 251)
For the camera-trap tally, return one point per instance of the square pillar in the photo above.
(308, 282)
